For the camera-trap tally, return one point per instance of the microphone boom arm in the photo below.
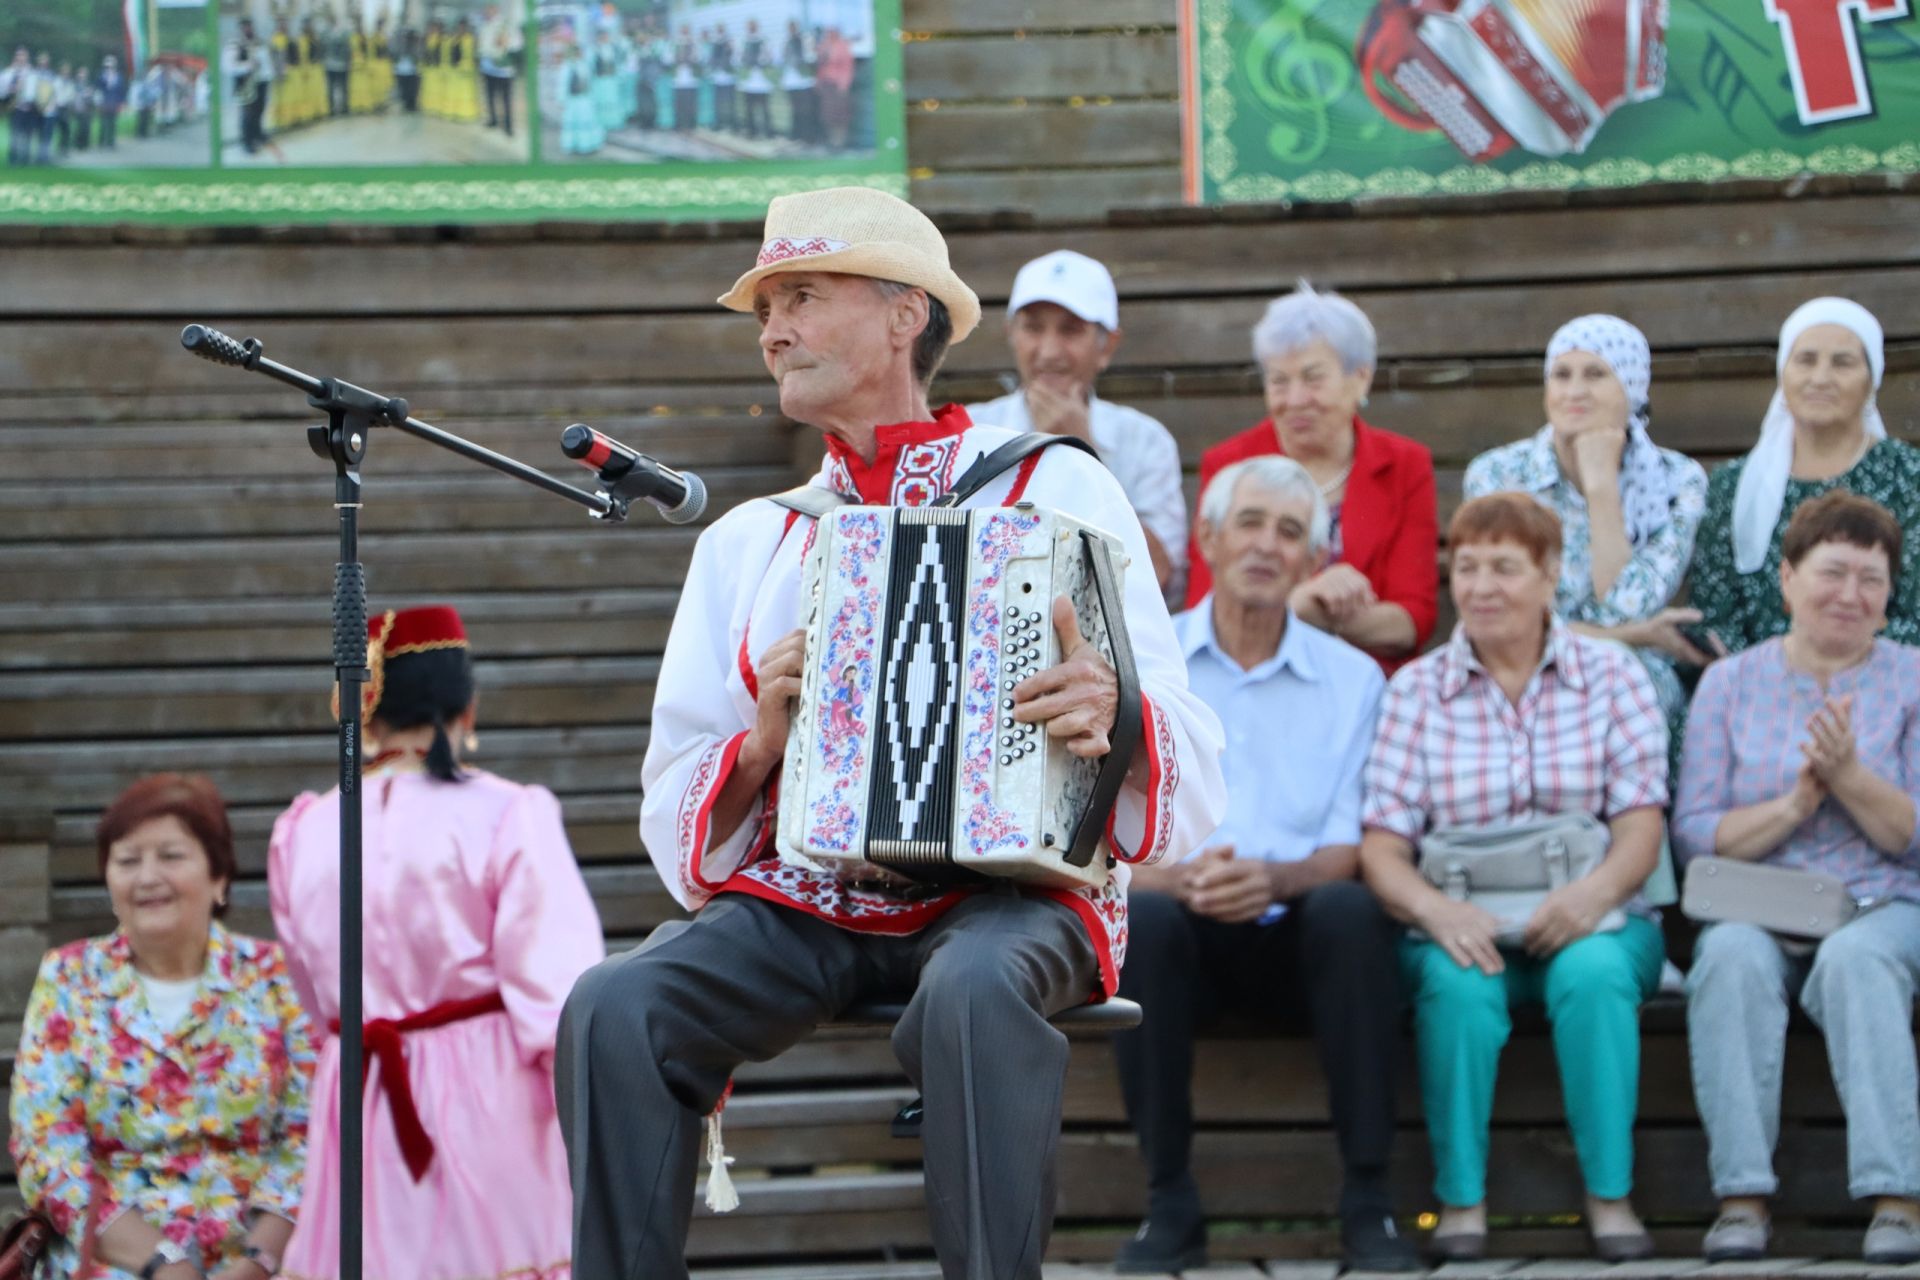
(336, 396)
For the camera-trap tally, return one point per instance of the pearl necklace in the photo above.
(1327, 489)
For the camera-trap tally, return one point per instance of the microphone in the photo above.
(680, 496)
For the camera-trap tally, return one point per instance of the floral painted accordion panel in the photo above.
(1542, 75)
(904, 762)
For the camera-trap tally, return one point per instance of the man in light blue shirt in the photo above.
(1268, 916)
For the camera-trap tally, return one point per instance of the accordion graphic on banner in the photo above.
(904, 763)
(1542, 75)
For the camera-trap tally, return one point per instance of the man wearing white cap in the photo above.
(1063, 323)
(856, 305)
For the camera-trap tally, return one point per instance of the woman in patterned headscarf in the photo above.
(1628, 508)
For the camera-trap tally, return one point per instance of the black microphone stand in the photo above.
(352, 413)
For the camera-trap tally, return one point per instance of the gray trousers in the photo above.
(1858, 987)
(649, 1039)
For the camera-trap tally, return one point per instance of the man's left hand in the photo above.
(1078, 698)
(1060, 411)
(1230, 890)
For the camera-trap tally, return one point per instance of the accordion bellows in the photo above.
(1543, 75)
(903, 759)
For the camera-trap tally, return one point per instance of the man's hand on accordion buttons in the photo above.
(778, 673)
(1077, 698)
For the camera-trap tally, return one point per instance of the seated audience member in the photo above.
(1267, 915)
(477, 924)
(1823, 431)
(1628, 508)
(159, 1109)
(1063, 323)
(1380, 589)
(1519, 717)
(1804, 751)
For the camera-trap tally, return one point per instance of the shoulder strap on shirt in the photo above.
(988, 466)
(810, 500)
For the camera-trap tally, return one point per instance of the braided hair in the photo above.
(432, 687)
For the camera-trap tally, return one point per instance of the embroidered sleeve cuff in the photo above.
(1142, 820)
(704, 870)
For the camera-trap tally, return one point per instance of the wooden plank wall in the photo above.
(166, 540)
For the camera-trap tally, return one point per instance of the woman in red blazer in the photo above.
(1379, 590)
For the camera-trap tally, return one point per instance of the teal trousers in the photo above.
(1592, 990)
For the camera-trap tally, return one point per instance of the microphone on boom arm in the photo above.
(680, 496)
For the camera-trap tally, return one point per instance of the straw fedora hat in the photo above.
(857, 231)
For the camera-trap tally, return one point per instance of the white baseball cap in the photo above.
(1071, 280)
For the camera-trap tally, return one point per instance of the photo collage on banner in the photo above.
(1343, 99)
(442, 110)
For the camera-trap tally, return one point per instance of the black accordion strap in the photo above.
(809, 500)
(989, 466)
(1127, 720)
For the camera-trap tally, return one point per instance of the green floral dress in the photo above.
(1745, 608)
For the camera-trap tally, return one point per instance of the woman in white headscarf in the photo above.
(1822, 431)
(1628, 509)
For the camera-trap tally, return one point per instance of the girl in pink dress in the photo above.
(476, 923)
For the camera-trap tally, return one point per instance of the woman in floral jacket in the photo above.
(160, 1094)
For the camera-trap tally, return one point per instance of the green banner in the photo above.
(1342, 99)
(236, 111)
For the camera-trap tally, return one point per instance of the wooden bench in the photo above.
(820, 1175)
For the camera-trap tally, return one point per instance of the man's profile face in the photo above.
(1261, 549)
(1057, 349)
(825, 338)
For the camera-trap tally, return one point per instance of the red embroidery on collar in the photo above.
(873, 482)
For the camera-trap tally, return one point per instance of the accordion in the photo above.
(1542, 75)
(904, 764)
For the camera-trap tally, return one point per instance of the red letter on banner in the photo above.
(1823, 53)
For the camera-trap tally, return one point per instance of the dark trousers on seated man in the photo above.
(650, 1038)
(1328, 962)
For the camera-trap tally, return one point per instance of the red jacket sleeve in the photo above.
(1411, 577)
(1199, 577)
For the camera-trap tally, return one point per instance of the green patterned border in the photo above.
(1220, 159)
(385, 200)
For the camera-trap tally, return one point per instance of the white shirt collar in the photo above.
(1196, 633)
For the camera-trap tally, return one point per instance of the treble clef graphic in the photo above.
(1297, 70)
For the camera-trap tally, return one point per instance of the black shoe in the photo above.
(1372, 1242)
(1161, 1247)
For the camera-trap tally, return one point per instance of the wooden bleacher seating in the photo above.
(166, 545)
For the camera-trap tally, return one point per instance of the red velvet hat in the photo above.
(397, 633)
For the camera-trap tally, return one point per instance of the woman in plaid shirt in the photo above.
(1518, 716)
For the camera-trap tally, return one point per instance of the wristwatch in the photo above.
(165, 1254)
(261, 1258)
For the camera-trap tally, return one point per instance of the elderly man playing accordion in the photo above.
(857, 303)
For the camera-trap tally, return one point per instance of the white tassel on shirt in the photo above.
(721, 1197)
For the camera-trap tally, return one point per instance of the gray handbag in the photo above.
(1508, 870)
(1781, 900)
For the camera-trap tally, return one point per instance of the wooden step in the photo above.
(189, 632)
(515, 693)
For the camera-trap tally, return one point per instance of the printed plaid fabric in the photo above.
(1744, 735)
(1452, 750)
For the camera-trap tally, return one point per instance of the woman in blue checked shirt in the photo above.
(1804, 751)
(1518, 716)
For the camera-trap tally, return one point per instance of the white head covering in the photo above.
(1763, 481)
(1646, 498)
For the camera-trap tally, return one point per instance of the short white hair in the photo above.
(1278, 475)
(1308, 315)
